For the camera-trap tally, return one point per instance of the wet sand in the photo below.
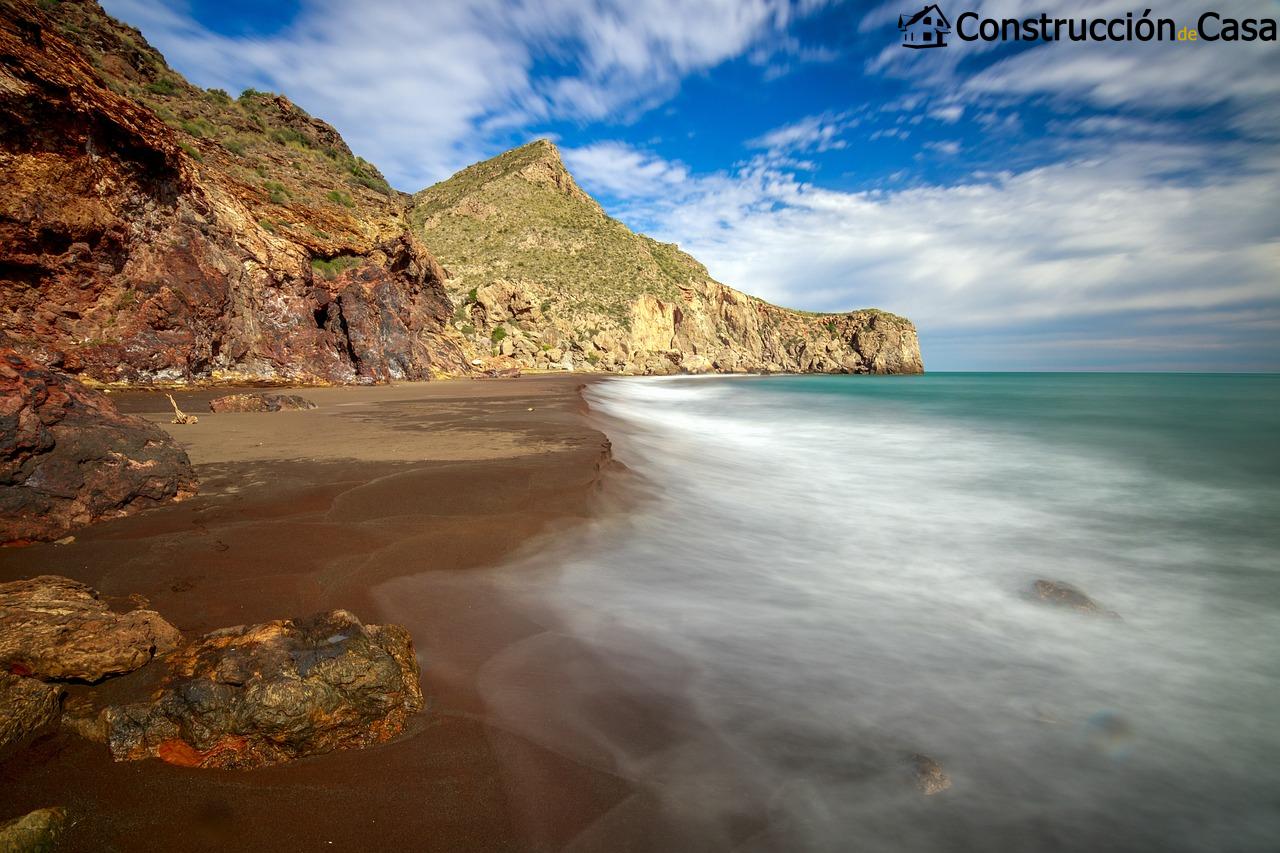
(306, 511)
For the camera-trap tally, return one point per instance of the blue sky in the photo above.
(1095, 206)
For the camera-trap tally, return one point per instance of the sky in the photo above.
(1030, 206)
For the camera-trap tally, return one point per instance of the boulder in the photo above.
(500, 373)
(68, 457)
(265, 694)
(56, 628)
(26, 707)
(260, 403)
(930, 778)
(37, 832)
(1063, 594)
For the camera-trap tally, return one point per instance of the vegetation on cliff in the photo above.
(542, 275)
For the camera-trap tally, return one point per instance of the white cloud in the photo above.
(418, 88)
(1242, 77)
(948, 114)
(945, 147)
(622, 171)
(813, 133)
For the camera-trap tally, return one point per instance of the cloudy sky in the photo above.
(1052, 206)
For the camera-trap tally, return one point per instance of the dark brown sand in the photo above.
(308, 511)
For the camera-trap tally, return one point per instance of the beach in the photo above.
(308, 511)
(741, 622)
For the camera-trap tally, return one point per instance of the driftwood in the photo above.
(179, 416)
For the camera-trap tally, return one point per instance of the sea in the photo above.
(810, 587)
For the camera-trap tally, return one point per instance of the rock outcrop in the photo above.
(27, 706)
(37, 832)
(265, 694)
(56, 628)
(260, 403)
(68, 457)
(151, 231)
(542, 276)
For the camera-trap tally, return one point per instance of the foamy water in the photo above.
(819, 577)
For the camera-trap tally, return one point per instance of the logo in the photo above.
(926, 28)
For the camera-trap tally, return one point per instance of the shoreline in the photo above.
(300, 512)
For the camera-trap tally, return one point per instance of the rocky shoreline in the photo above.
(373, 484)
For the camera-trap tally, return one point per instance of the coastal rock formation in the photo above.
(37, 832)
(260, 403)
(68, 457)
(152, 231)
(541, 275)
(1063, 594)
(56, 628)
(26, 707)
(269, 693)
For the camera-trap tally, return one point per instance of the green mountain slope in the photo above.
(542, 276)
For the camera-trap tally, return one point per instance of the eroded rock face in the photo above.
(269, 693)
(37, 832)
(260, 403)
(68, 457)
(56, 628)
(26, 707)
(136, 250)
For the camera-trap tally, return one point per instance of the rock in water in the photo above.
(259, 403)
(68, 457)
(252, 696)
(930, 777)
(37, 832)
(26, 707)
(56, 628)
(1062, 594)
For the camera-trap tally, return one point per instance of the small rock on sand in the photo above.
(55, 628)
(265, 694)
(26, 707)
(37, 832)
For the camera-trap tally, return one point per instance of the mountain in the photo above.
(151, 231)
(541, 275)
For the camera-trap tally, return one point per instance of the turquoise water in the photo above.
(811, 579)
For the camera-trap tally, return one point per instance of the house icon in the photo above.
(926, 28)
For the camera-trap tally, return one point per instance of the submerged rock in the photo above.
(26, 707)
(270, 693)
(260, 403)
(1062, 594)
(68, 457)
(56, 628)
(37, 832)
(930, 778)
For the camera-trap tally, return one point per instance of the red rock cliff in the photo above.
(151, 231)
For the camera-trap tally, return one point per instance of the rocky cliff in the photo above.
(151, 231)
(541, 276)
